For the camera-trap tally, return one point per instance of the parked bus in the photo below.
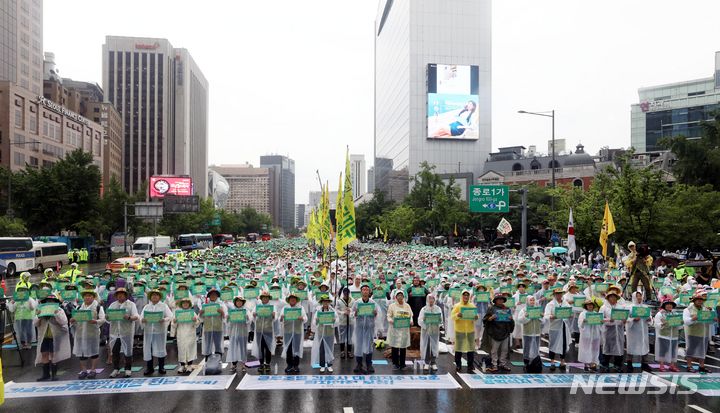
(190, 242)
(16, 254)
(50, 255)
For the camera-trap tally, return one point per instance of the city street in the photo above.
(419, 399)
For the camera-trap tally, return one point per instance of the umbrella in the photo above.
(558, 250)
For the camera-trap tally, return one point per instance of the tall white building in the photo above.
(162, 97)
(432, 89)
(21, 44)
(674, 109)
(358, 175)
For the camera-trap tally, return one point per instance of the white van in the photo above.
(50, 255)
(146, 247)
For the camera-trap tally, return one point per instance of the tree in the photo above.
(698, 160)
(62, 196)
(367, 214)
(254, 221)
(399, 222)
(12, 227)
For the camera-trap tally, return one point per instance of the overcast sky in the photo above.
(296, 78)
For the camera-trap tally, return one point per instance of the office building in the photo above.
(371, 180)
(300, 215)
(88, 99)
(283, 195)
(559, 146)
(432, 89)
(162, 97)
(674, 109)
(358, 175)
(38, 132)
(248, 187)
(21, 44)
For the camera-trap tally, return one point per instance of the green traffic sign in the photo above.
(489, 198)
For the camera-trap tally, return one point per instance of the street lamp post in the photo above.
(10, 213)
(549, 114)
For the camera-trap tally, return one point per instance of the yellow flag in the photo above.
(339, 246)
(385, 236)
(455, 232)
(376, 232)
(325, 224)
(347, 225)
(608, 227)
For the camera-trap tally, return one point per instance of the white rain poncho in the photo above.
(696, 342)
(482, 308)
(346, 322)
(638, 335)
(60, 335)
(87, 334)
(24, 313)
(238, 336)
(155, 334)
(517, 333)
(381, 323)
(264, 330)
(364, 333)
(324, 339)
(569, 299)
(398, 337)
(213, 331)
(429, 333)
(293, 332)
(667, 339)
(613, 332)
(530, 330)
(557, 328)
(590, 339)
(186, 339)
(123, 330)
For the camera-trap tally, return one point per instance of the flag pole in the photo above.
(322, 249)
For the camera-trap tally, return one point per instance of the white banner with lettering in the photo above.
(250, 382)
(535, 381)
(107, 386)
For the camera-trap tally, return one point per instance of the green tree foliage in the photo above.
(65, 195)
(368, 214)
(400, 222)
(12, 227)
(698, 160)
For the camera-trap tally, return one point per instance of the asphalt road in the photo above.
(419, 400)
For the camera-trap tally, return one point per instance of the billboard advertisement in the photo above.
(170, 185)
(452, 108)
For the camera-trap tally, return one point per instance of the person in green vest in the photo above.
(71, 255)
(83, 255)
(24, 281)
(48, 274)
(696, 332)
(24, 310)
(72, 273)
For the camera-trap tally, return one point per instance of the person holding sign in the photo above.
(264, 343)
(87, 320)
(613, 333)
(499, 324)
(155, 317)
(238, 322)
(364, 312)
(558, 314)
(399, 317)
(121, 314)
(23, 306)
(590, 325)
(416, 294)
(323, 347)
(667, 334)
(696, 331)
(638, 333)
(293, 319)
(184, 329)
(531, 322)
(519, 296)
(53, 336)
(482, 302)
(212, 315)
(430, 319)
(574, 297)
(346, 323)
